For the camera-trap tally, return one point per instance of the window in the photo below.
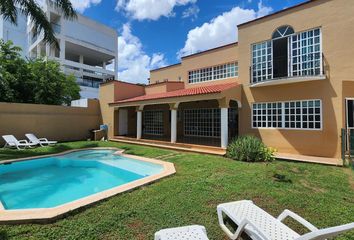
(262, 61)
(228, 70)
(288, 54)
(350, 113)
(153, 122)
(267, 115)
(305, 114)
(282, 31)
(306, 53)
(202, 122)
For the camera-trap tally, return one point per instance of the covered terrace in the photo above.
(205, 115)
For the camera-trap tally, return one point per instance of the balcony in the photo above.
(288, 57)
(284, 70)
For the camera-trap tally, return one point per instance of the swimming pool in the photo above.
(53, 181)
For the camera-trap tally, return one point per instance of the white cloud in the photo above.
(133, 63)
(220, 30)
(79, 5)
(150, 9)
(192, 12)
(82, 5)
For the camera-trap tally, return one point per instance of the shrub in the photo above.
(249, 149)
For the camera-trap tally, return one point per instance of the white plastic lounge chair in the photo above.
(194, 232)
(39, 141)
(11, 141)
(260, 225)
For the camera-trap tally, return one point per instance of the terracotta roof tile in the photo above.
(182, 92)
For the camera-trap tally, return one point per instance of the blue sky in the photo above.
(155, 33)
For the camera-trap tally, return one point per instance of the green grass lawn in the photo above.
(323, 195)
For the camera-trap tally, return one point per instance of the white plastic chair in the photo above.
(260, 225)
(193, 232)
(11, 142)
(39, 141)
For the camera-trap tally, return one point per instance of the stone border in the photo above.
(46, 215)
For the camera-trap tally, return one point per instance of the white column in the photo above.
(39, 51)
(104, 65)
(224, 127)
(116, 67)
(81, 60)
(47, 50)
(62, 49)
(173, 125)
(139, 123)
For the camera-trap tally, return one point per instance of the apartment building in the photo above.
(288, 80)
(88, 49)
(15, 33)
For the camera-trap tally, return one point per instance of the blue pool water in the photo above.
(53, 181)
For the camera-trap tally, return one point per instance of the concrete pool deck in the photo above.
(44, 215)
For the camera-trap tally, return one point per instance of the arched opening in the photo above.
(280, 51)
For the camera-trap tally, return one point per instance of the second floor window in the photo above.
(218, 72)
(288, 54)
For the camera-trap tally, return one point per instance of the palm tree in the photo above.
(31, 8)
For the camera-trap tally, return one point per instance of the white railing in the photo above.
(282, 69)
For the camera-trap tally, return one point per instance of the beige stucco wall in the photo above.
(107, 95)
(59, 123)
(210, 58)
(170, 73)
(336, 19)
(114, 91)
(163, 87)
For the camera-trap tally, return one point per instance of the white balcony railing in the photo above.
(282, 69)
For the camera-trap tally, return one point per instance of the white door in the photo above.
(123, 121)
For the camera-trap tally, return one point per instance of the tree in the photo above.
(52, 85)
(35, 81)
(9, 9)
(15, 77)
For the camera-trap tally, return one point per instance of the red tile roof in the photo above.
(182, 92)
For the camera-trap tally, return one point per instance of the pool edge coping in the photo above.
(46, 215)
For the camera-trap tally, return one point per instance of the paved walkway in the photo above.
(175, 146)
(219, 151)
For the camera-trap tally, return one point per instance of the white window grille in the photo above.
(306, 53)
(303, 114)
(262, 61)
(223, 71)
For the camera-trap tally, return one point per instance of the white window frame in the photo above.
(266, 62)
(290, 56)
(300, 62)
(283, 116)
(200, 75)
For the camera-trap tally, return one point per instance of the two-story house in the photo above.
(288, 80)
